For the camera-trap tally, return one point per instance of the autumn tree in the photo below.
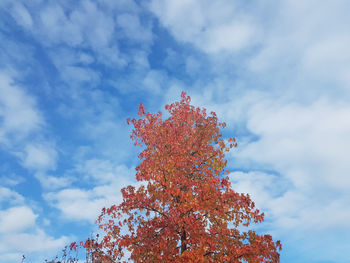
(184, 209)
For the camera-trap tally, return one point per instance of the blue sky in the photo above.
(71, 72)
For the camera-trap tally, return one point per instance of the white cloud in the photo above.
(307, 147)
(64, 57)
(81, 204)
(74, 66)
(192, 65)
(10, 197)
(85, 58)
(18, 111)
(56, 27)
(74, 74)
(229, 37)
(39, 156)
(11, 257)
(83, 25)
(97, 26)
(37, 241)
(49, 182)
(211, 26)
(22, 120)
(122, 5)
(304, 53)
(11, 179)
(19, 234)
(133, 29)
(36, 246)
(329, 59)
(154, 81)
(16, 219)
(21, 15)
(295, 48)
(103, 171)
(110, 138)
(77, 204)
(309, 142)
(288, 208)
(112, 57)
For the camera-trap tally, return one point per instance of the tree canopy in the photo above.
(185, 209)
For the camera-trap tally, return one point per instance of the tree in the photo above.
(185, 209)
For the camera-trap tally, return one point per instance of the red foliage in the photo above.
(73, 246)
(186, 210)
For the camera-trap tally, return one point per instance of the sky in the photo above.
(71, 72)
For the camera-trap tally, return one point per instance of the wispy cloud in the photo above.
(21, 15)
(107, 178)
(20, 117)
(9, 196)
(20, 232)
(211, 26)
(22, 120)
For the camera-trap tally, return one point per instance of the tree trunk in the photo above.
(183, 241)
